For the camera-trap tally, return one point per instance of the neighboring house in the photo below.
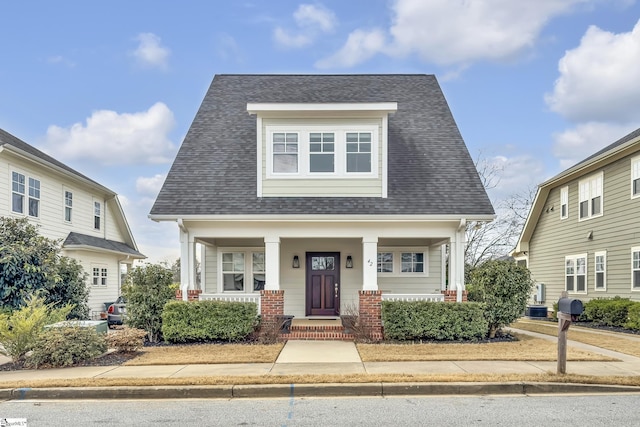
(68, 206)
(322, 190)
(582, 234)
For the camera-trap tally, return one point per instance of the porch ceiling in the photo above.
(259, 241)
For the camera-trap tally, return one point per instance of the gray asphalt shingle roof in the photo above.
(430, 171)
(78, 239)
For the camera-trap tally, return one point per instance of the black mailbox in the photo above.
(570, 306)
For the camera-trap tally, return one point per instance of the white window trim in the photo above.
(595, 279)
(397, 252)
(103, 271)
(30, 197)
(635, 174)
(340, 153)
(66, 190)
(589, 182)
(564, 201)
(93, 214)
(633, 250)
(575, 273)
(25, 196)
(248, 268)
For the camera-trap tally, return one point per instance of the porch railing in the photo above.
(232, 297)
(413, 297)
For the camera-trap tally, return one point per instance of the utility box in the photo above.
(570, 306)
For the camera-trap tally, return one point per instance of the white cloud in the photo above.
(150, 186)
(509, 178)
(311, 21)
(599, 79)
(574, 145)
(150, 51)
(360, 46)
(110, 138)
(458, 32)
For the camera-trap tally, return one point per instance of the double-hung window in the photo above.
(285, 152)
(402, 261)
(257, 270)
(600, 259)
(321, 152)
(99, 276)
(68, 205)
(385, 262)
(590, 191)
(17, 192)
(358, 152)
(576, 273)
(635, 268)
(34, 197)
(564, 202)
(97, 215)
(242, 270)
(412, 262)
(635, 177)
(233, 271)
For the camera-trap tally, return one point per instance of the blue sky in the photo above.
(110, 88)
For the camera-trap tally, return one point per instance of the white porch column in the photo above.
(187, 261)
(272, 263)
(203, 268)
(456, 264)
(370, 263)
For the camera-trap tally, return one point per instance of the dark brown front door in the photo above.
(323, 284)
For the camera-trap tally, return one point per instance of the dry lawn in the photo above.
(525, 349)
(622, 343)
(207, 354)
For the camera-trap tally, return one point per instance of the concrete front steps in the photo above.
(317, 329)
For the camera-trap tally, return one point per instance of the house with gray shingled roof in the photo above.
(323, 192)
(581, 235)
(68, 206)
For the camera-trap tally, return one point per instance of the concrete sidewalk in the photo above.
(332, 357)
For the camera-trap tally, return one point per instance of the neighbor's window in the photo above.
(591, 197)
(635, 177)
(635, 267)
(99, 276)
(564, 202)
(34, 197)
(358, 151)
(97, 215)
(385, 262)
(233, 271)
(17, 192)
(285, 152)
(412, 262)
(321, 152)
(576, 273)
(601, 271)
(258, 270)
(68, 205)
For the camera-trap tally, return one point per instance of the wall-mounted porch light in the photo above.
(349, 261)
(296, 262)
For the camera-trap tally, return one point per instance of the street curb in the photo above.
(308, 390)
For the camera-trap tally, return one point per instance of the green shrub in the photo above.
(196, 321)
(147, 290)
(423, 320)
(608, 312)
(633, 317)
(505, 288)
(20, 329)
(66, 346)
(126, 339)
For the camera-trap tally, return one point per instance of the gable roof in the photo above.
(624, 146)
(430, 171)
(83, 241)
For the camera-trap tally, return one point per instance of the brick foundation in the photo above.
(192, 294)
(271, 305)
(452, 296)
(371, 313)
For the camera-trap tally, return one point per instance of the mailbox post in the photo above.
(568, 310)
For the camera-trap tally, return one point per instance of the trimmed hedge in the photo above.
(198, 321)
(66, 346)
(633, 317)
(441, 321)
(608, 312)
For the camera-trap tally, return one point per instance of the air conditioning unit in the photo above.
(539, 296)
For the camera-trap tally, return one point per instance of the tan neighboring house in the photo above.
(309, 194)
(582, 234)
(66, 205)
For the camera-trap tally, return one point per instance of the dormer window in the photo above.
(321, 152)
(285, 152)
(358, 151)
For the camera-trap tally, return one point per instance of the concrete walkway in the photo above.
(339, 357)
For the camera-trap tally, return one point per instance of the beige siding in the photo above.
(210, 266)
(615, 232)
(336, 187)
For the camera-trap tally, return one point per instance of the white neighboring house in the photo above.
(86, 216)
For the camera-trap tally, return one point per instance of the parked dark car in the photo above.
(116, 312)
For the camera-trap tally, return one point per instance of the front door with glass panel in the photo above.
(323, 284)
